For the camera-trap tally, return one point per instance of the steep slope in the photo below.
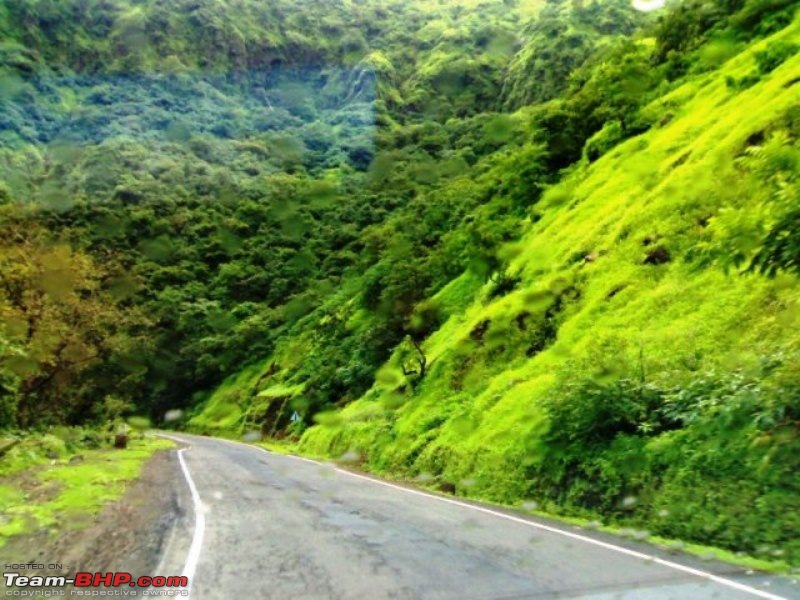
(630, 373)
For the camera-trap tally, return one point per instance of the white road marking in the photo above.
(648, 557)
(190, 566)
(576, 536)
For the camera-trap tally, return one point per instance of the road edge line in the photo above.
(576, 536)
(193, 556)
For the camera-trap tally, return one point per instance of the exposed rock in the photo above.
(657, 256)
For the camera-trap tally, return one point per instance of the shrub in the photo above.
(710, 460)
(602, 141)
(775, 54)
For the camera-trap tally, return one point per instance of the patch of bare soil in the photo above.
(33, 487)
(128, 535)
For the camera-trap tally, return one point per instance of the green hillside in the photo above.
(626, 362)
(532, 252)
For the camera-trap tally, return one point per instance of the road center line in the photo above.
(576, 536)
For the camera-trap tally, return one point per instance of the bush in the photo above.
(591, 414)
(713, 460)
(762, 17)
(601, 142)
(775, 54)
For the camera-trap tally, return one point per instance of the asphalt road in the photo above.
(260, 525)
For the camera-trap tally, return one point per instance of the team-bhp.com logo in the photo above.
(105, 580)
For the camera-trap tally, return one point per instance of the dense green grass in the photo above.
(223, 411)
(62, 495)
(481, 413)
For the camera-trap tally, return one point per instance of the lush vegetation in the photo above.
(540, 251)
(62, 479)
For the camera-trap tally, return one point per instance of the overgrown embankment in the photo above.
(631, 370)
(60, 481)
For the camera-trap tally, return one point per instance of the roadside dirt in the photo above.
(128, 535)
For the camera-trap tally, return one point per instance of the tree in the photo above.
(58, 323)
(424, 320)
(419, 359)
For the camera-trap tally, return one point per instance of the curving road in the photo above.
(261, 525)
